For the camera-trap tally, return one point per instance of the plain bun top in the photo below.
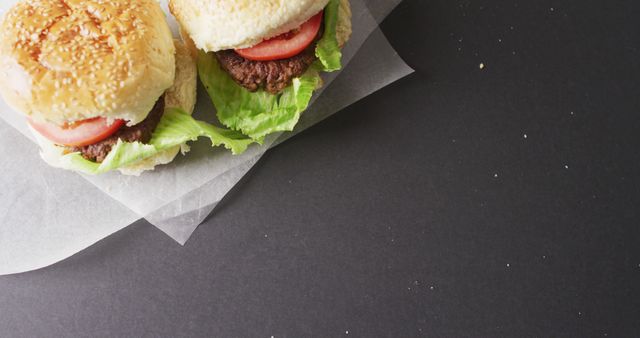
(216, 25)
(64, 61)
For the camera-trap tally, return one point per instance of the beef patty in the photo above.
(274, 76)
(141, 132)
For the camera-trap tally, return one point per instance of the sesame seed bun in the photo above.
(181, 95)
(216, 25)
(64, 61)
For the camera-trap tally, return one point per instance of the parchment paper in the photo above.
(47, 214)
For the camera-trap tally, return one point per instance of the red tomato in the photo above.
(286, 45)
(78, 134)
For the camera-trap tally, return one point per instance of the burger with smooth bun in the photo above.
(103, 84)
(260, 60)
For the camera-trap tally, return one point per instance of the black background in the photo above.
(423, 210)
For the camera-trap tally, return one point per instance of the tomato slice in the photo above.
(286, 45)
(78, 134)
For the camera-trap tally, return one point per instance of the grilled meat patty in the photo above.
(274, 76)
(141, 132)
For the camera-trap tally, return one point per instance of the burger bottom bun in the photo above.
(344, 27)
(181, 95)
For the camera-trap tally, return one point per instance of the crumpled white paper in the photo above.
(47, 215)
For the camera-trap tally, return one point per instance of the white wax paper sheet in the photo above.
(47, 214)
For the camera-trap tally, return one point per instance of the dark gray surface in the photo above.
(421, 211)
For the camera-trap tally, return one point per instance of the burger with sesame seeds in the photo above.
(103, 84)
(260, 60)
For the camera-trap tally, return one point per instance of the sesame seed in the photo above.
(98, 43)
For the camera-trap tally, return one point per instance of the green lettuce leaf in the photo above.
(175, 129)
(255, 114)
(328, 50)
(260, 113)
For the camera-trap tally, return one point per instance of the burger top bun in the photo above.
(216, 25)
(64, 61)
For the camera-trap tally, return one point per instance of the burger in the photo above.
(261, 60)
(103, 84)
